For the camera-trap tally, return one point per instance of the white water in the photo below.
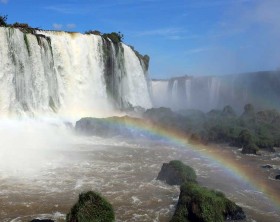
(64, 76)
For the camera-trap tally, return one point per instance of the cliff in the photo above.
(47, 72)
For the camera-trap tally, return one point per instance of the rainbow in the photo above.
(235, 168)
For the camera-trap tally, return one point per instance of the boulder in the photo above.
(176, 173)
(251, 148)
(267, 166)
(277, 177)
(91, 207)
(198, 203)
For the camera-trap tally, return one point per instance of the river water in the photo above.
(46, 183)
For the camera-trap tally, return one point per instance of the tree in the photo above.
(3, 20)
(94, 32)
(115, 37)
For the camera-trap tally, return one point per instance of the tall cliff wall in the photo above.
(68, 74)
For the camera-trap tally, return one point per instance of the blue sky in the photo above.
(182, 37)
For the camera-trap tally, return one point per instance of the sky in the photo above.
(182, 37)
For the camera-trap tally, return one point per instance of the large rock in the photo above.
(176, 173)
(250, 149)
(91, 207)
(106, 127)
(199, 204)
(277, 177)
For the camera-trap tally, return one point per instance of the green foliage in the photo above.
(245, 137)
(93, 32)
(91, 207)
(253, 130)
(3, 20)
(229, 111)
(198, 203)
(115, 37)
(186, 173)
(249, 111)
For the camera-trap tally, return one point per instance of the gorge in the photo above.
(67, 76)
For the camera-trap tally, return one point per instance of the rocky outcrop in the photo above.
(250, 149)
(91, 207)
(198, 203)
(267, 166)
(176, 173)
(105, 127)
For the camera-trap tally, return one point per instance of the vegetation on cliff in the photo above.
(115, 37)
(250, 131)
(91, 207)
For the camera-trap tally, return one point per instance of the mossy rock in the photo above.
(198, 203)
(250, 148)
(91, 207)
(176, 173)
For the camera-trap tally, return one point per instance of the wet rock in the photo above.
(91, 207)
(42, 220)
(105, 127)
(199, 204)
(250, 149)
(267, 166)
(176, 173)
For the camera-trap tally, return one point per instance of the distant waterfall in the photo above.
(262, 89)
(69, 74)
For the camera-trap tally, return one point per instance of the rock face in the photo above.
(107, 127)
(68, 73)
(176, 173)
(91, 207)
(199, 204)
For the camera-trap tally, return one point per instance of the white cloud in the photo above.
(4, 1)
(57, 26)
(197, 50)
(161, 32)
(71, 26)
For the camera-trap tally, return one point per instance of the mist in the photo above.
(205, 93)
(29, 146)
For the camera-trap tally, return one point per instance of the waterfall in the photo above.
(262, 89)
(68, 74)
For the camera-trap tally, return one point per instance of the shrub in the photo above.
(94, 32)
(115, 37)
(3, 20)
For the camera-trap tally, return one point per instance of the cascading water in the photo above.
(68, 74)
(214, 92)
